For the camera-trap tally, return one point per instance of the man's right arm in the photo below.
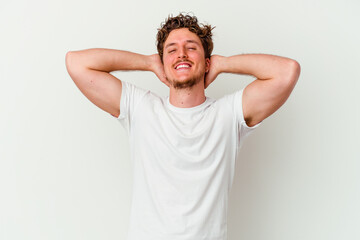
(90, 70)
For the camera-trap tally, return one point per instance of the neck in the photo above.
(187, 98)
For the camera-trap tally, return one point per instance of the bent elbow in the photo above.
(294, 72)
(72, 62)
(67, 59)
(296, 68)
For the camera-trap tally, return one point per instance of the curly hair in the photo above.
(189, 22)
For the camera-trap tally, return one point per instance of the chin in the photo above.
(186, 83)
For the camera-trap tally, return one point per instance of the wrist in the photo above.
(219, 64)
(151, 62)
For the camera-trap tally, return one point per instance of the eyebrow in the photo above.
(187, 41)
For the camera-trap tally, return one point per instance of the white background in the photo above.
(65, 170)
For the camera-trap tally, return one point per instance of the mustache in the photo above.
(183, 61)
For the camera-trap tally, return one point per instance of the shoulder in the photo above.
(229, 103)
(231, 99)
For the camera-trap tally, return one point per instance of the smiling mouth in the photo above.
(183, 65)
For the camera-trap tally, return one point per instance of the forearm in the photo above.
(108, 60)
(262, 66)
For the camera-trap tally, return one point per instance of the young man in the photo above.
(184, 146)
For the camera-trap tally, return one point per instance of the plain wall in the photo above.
(65, 170)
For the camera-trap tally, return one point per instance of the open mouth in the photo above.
(183, 65)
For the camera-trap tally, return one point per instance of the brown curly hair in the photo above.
(189, 22)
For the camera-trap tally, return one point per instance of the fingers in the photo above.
(158, 69)
(209, 78)
(166, 82)
(162, 77)
(214, 70)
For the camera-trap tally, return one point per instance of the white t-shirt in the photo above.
(183, 164)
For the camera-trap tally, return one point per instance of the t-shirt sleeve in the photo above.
(243, 129)
(131, 95)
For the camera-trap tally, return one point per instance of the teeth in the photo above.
(182, 66)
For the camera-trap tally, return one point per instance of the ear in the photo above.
(207, 65)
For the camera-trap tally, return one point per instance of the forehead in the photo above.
(182, 35)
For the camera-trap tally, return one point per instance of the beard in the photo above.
(188, 83)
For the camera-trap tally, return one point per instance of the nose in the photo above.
(182, 53)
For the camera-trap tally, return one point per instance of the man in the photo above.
(184, 146)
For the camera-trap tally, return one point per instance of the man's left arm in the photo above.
(276, 78)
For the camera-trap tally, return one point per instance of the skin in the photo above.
(186, 84)
(275, 76)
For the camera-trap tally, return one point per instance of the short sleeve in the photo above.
(243, 129)
(131, 96)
